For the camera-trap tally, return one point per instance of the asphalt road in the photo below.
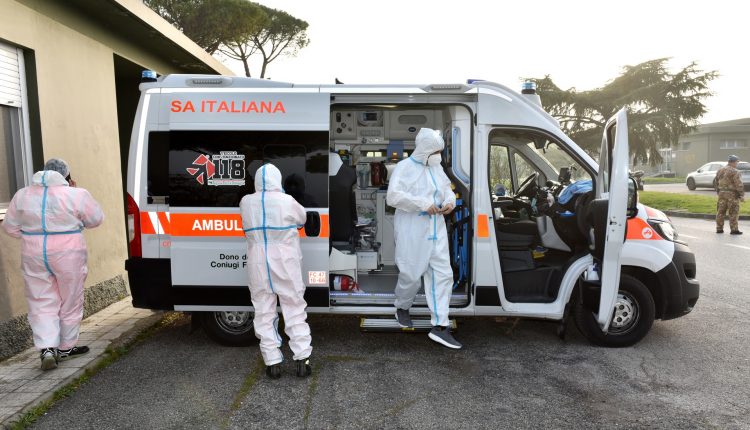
(692, 372)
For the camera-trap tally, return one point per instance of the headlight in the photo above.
(665, 229)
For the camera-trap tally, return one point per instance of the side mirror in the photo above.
(699, 171)
(632, 198)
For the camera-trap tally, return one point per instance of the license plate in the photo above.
(316, 278)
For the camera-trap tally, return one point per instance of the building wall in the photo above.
(74, 59)
(687, 160)
(706, 147)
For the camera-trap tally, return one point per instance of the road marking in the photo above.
(738, 246)
(685, 235)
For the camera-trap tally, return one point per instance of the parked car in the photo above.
(705, 176)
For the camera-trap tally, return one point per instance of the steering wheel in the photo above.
(528, 186)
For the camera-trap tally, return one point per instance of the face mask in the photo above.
(433, 160)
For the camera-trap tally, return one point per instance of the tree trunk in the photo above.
(263, 69)
(247, 67)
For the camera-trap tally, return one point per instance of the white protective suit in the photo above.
(421, 239)
(270, 219)
(49, 216)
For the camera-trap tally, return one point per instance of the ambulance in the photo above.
(540, 230)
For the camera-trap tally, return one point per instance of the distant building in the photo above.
(69, 75)
(709, 142)
(712, 142)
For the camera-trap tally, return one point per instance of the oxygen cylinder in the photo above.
(344, 283)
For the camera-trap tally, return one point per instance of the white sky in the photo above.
(580, 43)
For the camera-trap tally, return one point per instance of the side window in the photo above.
(523, 168)
(217, 168)
(500, 174)
(290, 159)
(10, 181)
(704, 168)
(157, 183)
(714, 168)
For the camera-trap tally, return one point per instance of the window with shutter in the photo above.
(15, 157)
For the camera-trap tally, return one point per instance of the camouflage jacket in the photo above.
(728, 179)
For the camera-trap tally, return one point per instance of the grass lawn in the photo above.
(685, 202)
(677, 180)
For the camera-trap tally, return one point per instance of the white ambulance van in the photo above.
(540, 229)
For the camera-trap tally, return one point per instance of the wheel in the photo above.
(690, 184)
(631, 321)
(229, 328)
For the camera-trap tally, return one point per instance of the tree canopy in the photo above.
(209, 23)
(238, 29)
(275, 33)
(661, 106)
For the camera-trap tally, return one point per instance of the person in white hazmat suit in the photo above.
(270, 219)
(421, 193)
(49, 217)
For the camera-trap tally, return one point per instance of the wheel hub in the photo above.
(626, 313)
(234, 321)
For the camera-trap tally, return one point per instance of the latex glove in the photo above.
(448, 208)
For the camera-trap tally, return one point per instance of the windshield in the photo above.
(557, 158)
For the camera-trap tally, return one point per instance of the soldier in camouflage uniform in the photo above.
(731, 192)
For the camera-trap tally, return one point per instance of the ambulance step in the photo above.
(390, 324)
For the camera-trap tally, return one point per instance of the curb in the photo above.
(123, 339)
(681, 214)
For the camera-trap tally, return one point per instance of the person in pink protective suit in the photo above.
(270, 219)
(49, 216)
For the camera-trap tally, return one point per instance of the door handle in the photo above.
(312, 224)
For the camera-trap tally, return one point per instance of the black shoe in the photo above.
(49, 358)
(403, 318)
(303, 368)
(735, 232)
(720, 231)
(442, 335)
(274, 371)
(65, 354)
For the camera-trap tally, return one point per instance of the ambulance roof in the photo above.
(177, 81)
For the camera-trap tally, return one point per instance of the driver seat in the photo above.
(525, 227)
(519, 235)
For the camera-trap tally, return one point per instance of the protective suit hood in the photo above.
(427, 142)
(49, 178)
(268, 178)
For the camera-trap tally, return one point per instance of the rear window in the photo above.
(217, 168)
(743, 166)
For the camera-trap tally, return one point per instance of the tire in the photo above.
(229, 328)
(690, 184)
(633, 325)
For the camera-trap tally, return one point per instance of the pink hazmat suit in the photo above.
(49, 217)
(270, 219)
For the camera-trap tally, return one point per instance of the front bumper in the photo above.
(681, 288)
